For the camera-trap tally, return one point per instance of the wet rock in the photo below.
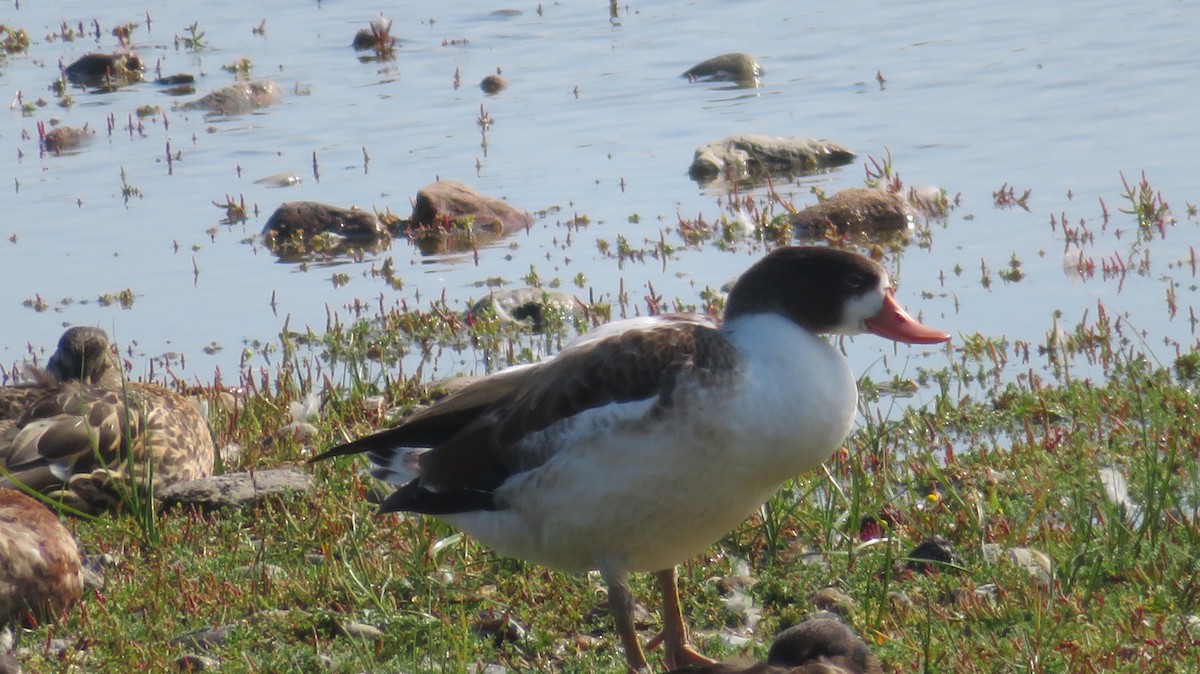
(858, 209)
(285, 179)
(448, 202)
(63, 139)
(176, 80)
(493, 84)
(749, 157)
(376, 37)
(933, 553)
(537, 307)
(93, 70)
(177, 85)
(306, 227)
(364, 40)
(235, 490)
(449, 215)
(736, 67)
(240, 98)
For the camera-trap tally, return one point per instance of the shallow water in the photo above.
(1056, 98)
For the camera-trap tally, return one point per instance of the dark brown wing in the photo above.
(439, 422)
(633, 365)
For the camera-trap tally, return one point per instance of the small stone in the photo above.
(988, 591)
(258, 571)
(835, 601)
(302, 431)
(900, 600)
(205, 637)
(501, 628)
(357, 630)
(1191, 623)
(231, 455)
(1036, 562)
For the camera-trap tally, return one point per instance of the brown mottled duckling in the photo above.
(78, 432)
(40, 578)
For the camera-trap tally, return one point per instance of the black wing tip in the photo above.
(345, 449)
(414, 498)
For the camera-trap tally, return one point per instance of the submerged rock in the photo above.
(449, 215)
(377, 36)
(752, 156)
(736, 67)
(240, 98)
(537, 307)
(63, 139)
(858, 209)
(303, 227)
(493, 84)
(92, 70)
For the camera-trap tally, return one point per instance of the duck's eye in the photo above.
(856, 281)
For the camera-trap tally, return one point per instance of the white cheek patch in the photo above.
(858, 309)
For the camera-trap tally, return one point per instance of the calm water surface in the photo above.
(1056, 98)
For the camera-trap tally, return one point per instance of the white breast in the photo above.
(647, 492)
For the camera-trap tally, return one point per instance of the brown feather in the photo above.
(67, 440)
(40, 576)
(628, 366)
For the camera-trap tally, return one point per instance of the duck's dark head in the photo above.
(826, 290)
